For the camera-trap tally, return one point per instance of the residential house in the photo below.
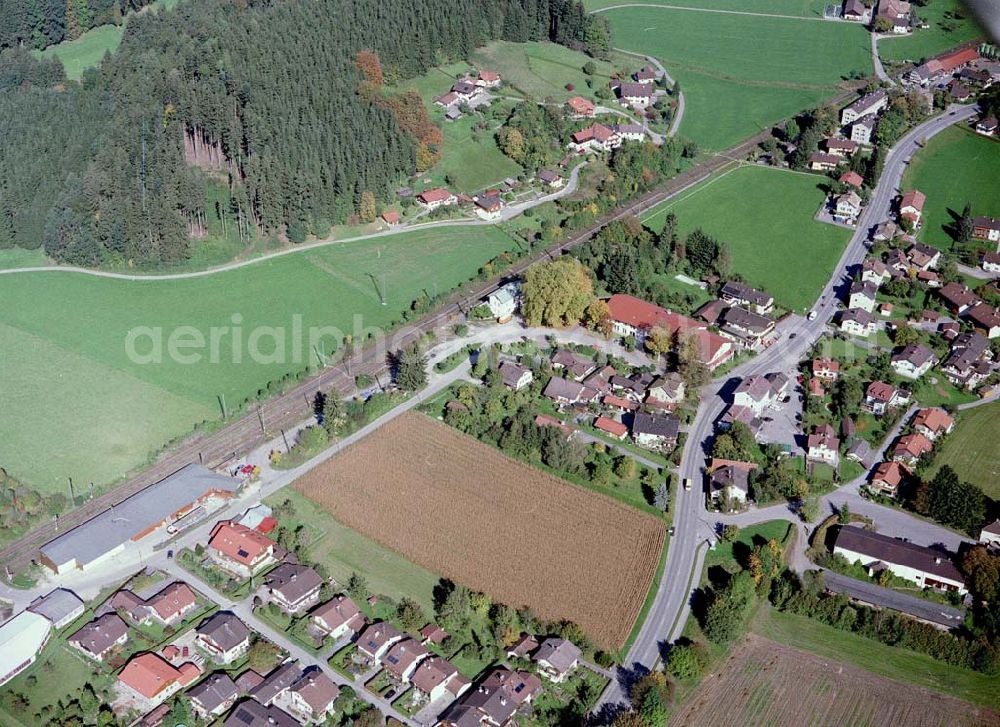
(667, 391)
(990, 534)
(913, 361)
(239, 550)
(856, 12)
(958, 298)
(959, 91)
(897, 13)
(858, 322)
(310, 698)
(295, 588)
(448, 100)
(927, 567)
(990, 262)
(820, 162)
(278, 681)
(870, 103)
(823, 445)
(390, 217)
(557, 658)
(514, 375)
(432, 634)
(172, 604)
(435, 678)
(464, 90)
(550, 178)
(911, 206)
(629, 132)
(61, 607)
(129, 604)
(376, 639)
(737, 293)
(338, 617)
(910, 448)
(759, 393)
(969, 361)
(863, 128)
(847, 206)
(489, 206)
(101, 636)
(503, 301)
(862, 295)
(148, 679)
(711, 311)
(580, 106)
(933, 422)
(523, 648)
(636, 95)
(840, 147)
(885, 231)
(646, 74)
(494, 702)
(888, 477)
(985, 319)
(852, 179)
(251, 713)
(825, 368)
(861, 452)
(730, 481)
(655, 430)
(611, 426)
(987, 126)
(742, 414)
(224, 637)
(564, 391)
(577, 365)
(401, 658)
(745, 327)
(488, 79)
(595, 138)
(432, 199)
(213, 696)
(923, 257)
(881, 397)
(874, 271)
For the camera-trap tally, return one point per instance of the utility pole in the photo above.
(260, 416)
(70, 489)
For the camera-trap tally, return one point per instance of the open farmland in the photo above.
(462, 509)
(64, 337)
(740, 73)
(765, 682)
(950, 24)
(972, 451)
(770, 245)
(955, 167)
(804, 8)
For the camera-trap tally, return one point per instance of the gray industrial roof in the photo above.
(57, 605)
(105, 532)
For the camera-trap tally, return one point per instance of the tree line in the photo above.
(271, 98)
(40, 23)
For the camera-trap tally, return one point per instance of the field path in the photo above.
(679, 114)
(709, 10)
(509, 213)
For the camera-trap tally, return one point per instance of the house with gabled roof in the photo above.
(933, 422)
(101, 636)
(338, 617)
(862, 295)
(870, 103)
(432, 199)
(911, 447)
(958, 297)
(858, 322)
(376, 639)
(435, 678)
(985, 319)
(240, 550)
(514, 375)
(911, 206)
(970, 360)
(293, 587)
(580, 106)
(880, 397)
(310, 697)
(224, 636)
(736, 293)
(655, 430)
(557, 658)
(402, 657)
(889, 477)
(823, 445)
(213, 696)
(927, 567)
(172, 603)
(913, 361)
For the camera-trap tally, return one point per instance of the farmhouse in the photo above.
(943, 65)
(870, 103)
(495, 701)
(856, 11)
(62, 607)
(646, 73)
(557, 658)
(435, 677)
(896, 13)
(823, 445)
(858, 322)
(629, 132)
(636, 95)
(239, 550)
(514, 375)
(985, 319)
(223, 636)
(464, 90)
(338, 617)
(377, 638)
(888, 477)
(911, 206)
(294, 588)
(737, 293)
(580, 106)
(144, 514)
(913, 361)
(933, 422)
(926, 567)
(488, 79)
(21, 640)
(595, 138)
(149, 679)
(431, 199)
(655, 430)
(213, 696)
(551, 179)
(880, 397)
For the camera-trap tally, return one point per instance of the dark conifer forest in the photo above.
(268, 95)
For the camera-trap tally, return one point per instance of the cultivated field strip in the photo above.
(462, 509)
(765, 683)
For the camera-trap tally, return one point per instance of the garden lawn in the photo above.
(471, 161)
(887, 661)
(955, 167)
(77, 405)
(344, 551)
(943, 33)
(972, 451)
(766, 217)
(722, 554)
(742, 73)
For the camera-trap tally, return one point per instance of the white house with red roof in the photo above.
(911, 206)
(431, 199)
(239, 550)
(595, 138)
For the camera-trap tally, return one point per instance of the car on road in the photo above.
(170, 555)
(671, 531)
(687, 484)
(812, 315)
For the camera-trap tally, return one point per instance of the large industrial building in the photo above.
(21, 639)
(158, 506)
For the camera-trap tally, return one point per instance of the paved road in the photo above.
(675, 122)
(871, 593)
(877, 61)
(797, 334)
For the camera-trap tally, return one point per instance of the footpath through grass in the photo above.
(766, 217)
(742, 73)
(887, 661)
(955, 167)
(65, 340)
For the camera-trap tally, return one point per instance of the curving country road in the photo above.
(675, 122)
(685, 557)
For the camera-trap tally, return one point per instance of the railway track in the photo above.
(284, 411)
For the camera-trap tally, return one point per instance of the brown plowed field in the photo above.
(764, 683)
(460, 508)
